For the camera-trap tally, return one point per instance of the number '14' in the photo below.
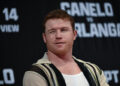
(12, 14)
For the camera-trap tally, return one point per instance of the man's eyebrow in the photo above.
(52, 29)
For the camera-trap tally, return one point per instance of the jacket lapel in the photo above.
(86, 73)
(59, 76)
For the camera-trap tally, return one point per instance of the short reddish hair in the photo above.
(58, 14)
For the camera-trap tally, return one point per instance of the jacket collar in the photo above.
(45, 59)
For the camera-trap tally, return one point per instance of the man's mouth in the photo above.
(60, 43)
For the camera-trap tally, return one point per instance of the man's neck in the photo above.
(65, 63)
(60, 59)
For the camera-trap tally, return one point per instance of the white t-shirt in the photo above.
(76, 80)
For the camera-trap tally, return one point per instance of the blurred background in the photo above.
(98, 40)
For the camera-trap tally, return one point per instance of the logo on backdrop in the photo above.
(99, 18)
(8, 16)
(8, 77)
(112, 75)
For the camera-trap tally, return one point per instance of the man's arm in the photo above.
(99, 74)
(32, 78)
(103, 80)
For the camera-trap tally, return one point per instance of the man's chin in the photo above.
(60, 52)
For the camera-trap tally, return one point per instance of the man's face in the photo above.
(59, 36)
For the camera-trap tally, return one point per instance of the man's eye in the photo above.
(64, 30)
(52, 31)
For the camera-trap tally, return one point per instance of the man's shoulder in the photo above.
(42, 61)
(81, 61)
(90, 65)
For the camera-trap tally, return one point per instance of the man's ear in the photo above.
(44, 37)
(75, 34)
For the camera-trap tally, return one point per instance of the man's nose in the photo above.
(58, 35)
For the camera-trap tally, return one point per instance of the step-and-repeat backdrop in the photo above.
(98, 40)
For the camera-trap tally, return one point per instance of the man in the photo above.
(59, 67)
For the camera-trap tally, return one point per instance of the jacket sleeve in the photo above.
(103, 80)
(32, 78)
(99, 74)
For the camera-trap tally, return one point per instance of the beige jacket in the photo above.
(44, 73)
